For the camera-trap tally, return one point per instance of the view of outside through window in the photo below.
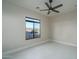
(32, 28)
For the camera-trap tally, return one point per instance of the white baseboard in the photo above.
(24, 47)
(65, 43)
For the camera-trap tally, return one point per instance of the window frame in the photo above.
(33, 27)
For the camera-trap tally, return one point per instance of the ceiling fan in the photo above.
(50, 8)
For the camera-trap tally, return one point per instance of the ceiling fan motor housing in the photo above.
(50, 1)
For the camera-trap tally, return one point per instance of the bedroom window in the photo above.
(32, 28)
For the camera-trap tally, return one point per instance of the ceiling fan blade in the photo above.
(47, 5)
(57, 6)
(55, 11)
(48, 11)
(44, 10)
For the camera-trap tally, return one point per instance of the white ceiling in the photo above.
(68, 5)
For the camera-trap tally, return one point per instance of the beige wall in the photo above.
(14, 26)
(64, 28)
